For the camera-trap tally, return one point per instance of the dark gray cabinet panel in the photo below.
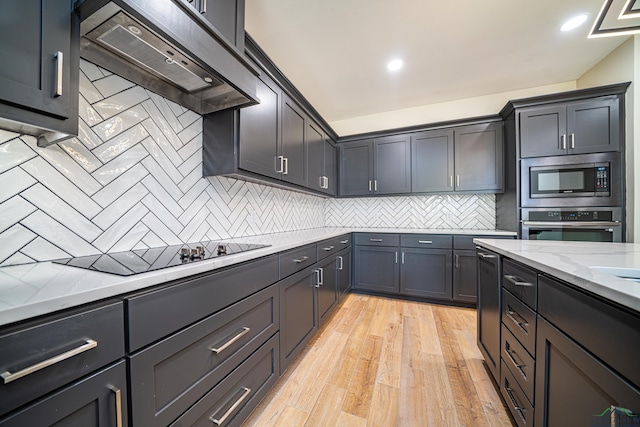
(226, 16)
(39, 76)
(95, 334)
(297, 314)
(315, 157)
(296, 259)
(259, 130)
(426, 273)
(489, 291)
(327, 288)
(294, 147)
(573, 387)
(377, 269)
(170, 376)
(356, 168)
(579, 127)
(432, 167)
(520, 320)
(521, 281)
(392, 167)
(99, 400)
(478, 157)
(230, 403)
(465, 276)
(330, 168)
(515, 398)
(344, 272)
(518, 360)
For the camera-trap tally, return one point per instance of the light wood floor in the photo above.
(387, 362)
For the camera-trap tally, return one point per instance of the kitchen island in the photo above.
(560, 331)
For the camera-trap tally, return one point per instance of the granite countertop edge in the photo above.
(41, 288)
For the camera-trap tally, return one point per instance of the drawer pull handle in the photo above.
(233, 407)
(518, 281)
(328, 248)
(301, 259)
(514, 402)
(226, 345)
(118, 394)
(520, 366)
(341, 262)
(511, 314)
(483, 255)
(375, 240)
(344, 242)
(425, 242)
(59, 71)
(8, 376)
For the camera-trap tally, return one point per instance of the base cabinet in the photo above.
(489, 308)
(465, 276)
(377, 269)
(426, 273)
(327, 288)
(344, 272)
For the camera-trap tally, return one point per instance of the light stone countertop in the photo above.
(571, 262)
(34, 289)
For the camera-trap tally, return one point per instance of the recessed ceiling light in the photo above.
(574, 22)
(395, 64)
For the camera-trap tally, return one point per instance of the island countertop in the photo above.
(572, 262)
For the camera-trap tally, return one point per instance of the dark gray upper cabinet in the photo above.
(293, 155)
(321, 160)
(432, 161)
(478, 157)
(226, 16)
(39, 74)
(330, 170)
(376, 166)
(586, 126)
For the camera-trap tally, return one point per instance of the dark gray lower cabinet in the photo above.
(377, 269)
(344, 272)
(465, 276)
(426, 273)
(489, 289)
(98, 400)
(298, 317)
(327, 288)
(575, 388)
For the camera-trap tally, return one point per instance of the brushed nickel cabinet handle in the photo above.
(301, 259)
(375, 185)
(457, 261)
(403, 257)
(572, 137)
(286, 166)
(375, 240)
(59, 69)
(344, 242)
(512, 314)
(369, 185)
(341, 263)
(563, 138)
(203, 7)
(328, 248)
(118, 394)
(245, 330)
(515, 404)
(457, 180)
(483, 255)
(396, 257)
(511, 353)
(451, 181)
(426, 242)
(281, 160)
(219, 421)
(518, 281)
(9, 377)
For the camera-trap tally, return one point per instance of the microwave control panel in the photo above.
(602, 178)
(562, 215)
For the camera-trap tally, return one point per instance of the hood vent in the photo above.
(201, 72)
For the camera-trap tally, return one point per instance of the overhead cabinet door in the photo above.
(293, 143)
(356, 168)
(593, 126)
(478, 157)
(432, 161)
(392, 169)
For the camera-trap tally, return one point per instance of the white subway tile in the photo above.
(78, 152)
(160, 211)
(162, 124)
(120, 164)
(120, 185)
(120, 144)
(120, 206)
(13, 153)
(162, 178)
(13, 239)
(111, 85)
(117, 124)
(88, 90)
(163, 161)
(162, 231)
(131, 238)
(120, 102)
(87, 112)
(42, 250)
(120, 228)
(14, 181)
(167, 114)
(13, 210)
(51, 230)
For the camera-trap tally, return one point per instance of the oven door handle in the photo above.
(599, 224)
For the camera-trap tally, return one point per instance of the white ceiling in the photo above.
(335, 51)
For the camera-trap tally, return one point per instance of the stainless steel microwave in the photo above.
(580, 180)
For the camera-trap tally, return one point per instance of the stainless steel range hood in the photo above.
(164, 47)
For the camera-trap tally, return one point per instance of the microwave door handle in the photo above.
(601, 224)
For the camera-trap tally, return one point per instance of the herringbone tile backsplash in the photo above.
(133, 179)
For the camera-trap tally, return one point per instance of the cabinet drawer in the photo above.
(520, 320)
(332, 246)
(88, 341)
(377, 239)
(297, 259)
(519, 406)
(97, 400)
(466, 242)
(154, 315)
(521, 281)
(608, 331)
(519, 362)
(231, 402)
(170, 376)
(426, 241)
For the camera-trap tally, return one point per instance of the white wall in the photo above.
(453, 110)
(623, 65)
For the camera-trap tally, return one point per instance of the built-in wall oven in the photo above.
(573, 224)
(570, 181)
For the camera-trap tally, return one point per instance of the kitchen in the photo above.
(132, 179)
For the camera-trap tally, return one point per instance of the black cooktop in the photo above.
(143, 260)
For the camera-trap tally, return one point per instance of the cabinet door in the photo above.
(426, 273)
(542, 130)
(593, 126)
(327, 288)
(315, 157)
(465, 276)
(224, 16)
(356, 168)
(489, 310)
(377, 269)
(432, 161)
(294, 147)
(259, 131)
(478, 157)
(574, 388)
(297, 314)
(392, 167)
(98, 400)
(344, 272)
(330, 168)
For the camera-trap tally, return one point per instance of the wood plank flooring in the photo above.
(387, 362)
